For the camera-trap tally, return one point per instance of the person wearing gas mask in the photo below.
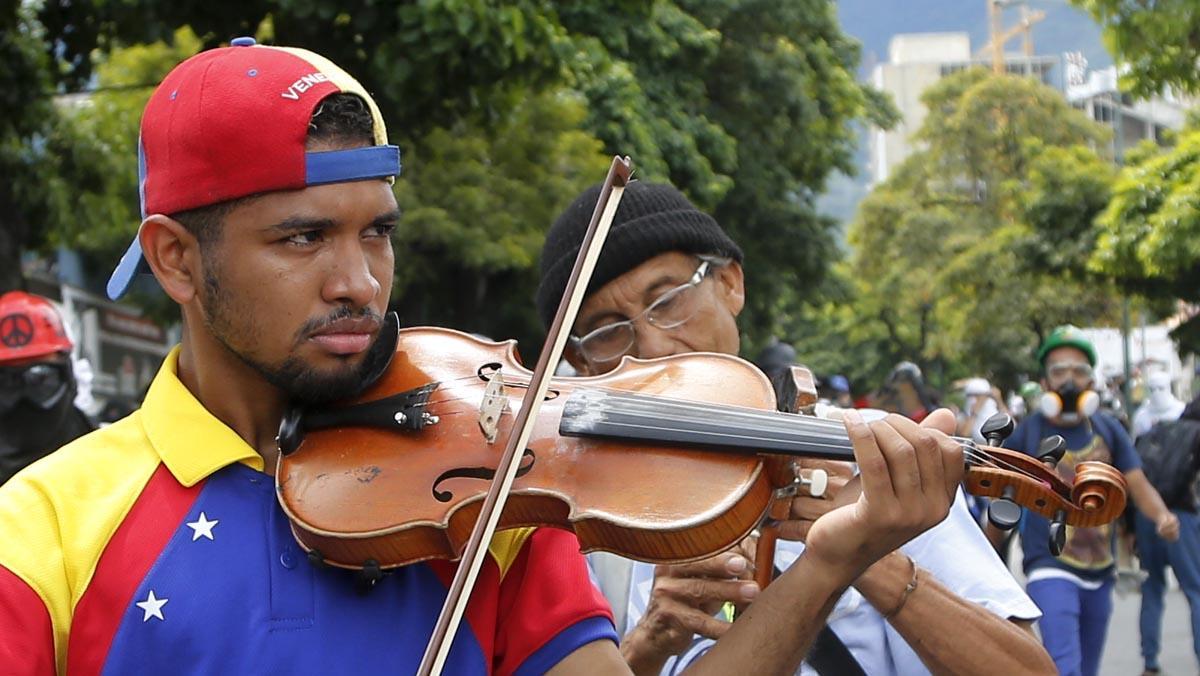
(1160, 404)
(37, 386)
(1074, 589)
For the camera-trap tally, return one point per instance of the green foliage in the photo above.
(1150, 232)
(502, 109)
(476, 200)
(29, 194)
(978, 243)
(1159, 41)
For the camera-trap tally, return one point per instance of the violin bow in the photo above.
(556, 339)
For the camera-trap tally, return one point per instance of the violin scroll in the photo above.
(1096, 497)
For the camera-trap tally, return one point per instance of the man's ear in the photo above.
(731, 287)
(173, 255)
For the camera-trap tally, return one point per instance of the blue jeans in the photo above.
(1074, 623)
(1184, 558)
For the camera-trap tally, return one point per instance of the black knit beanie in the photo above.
(652, 219)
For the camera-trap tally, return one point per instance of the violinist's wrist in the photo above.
(884, 582)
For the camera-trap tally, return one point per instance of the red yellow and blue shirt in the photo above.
(156, 545)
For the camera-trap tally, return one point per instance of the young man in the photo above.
(157, 545)
(37, 383)
(1074, 589)
(670, 281)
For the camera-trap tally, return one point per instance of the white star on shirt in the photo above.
(202, 527)
(152, 607)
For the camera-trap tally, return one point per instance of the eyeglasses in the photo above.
(668, 311)
(1062, 371)
(42, 384)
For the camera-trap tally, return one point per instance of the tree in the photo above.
(30, 195)
(978, 244)
(746, 105)
(1159, 41)
(1150, 232)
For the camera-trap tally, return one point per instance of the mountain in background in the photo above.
(874, 22)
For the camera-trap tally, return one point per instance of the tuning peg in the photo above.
(1052, 449)
(1003, 513)
(817, 484)
(1058, 533)
(997, 428)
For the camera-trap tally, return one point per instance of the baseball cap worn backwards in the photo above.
(233, 122)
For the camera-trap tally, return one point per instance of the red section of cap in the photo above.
(30, 327)
(228, 123)
(127, 557)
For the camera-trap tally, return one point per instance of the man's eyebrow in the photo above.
(301, 223)
(386, 218)
(589, 324)
(655, 288)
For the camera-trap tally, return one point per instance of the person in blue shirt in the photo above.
(1074, 589)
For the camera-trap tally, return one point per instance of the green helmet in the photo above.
(1067, 336)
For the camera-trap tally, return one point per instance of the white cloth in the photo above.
(1160, 405)
(955, 552)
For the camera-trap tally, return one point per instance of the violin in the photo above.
(662, 460)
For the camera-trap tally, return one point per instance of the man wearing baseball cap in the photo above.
(157, 545)
(37, 383)
(670, 281)
(1074, 588)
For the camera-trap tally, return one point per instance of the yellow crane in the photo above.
(1000, 36)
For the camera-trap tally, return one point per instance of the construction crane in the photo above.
(999, 37)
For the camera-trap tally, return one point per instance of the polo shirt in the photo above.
(157, 545)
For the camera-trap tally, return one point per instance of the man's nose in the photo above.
(351, 281)
(654, 342)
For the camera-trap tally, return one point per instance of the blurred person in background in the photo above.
(1074, 588)
(1170, 455)
(37, 383)
(839, 387)
(904, 391)
(1160, 404)
(981, 404)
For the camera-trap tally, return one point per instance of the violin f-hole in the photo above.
(484, 473)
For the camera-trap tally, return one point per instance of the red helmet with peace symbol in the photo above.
(30, 327)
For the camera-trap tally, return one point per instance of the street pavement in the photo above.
(1123, 650)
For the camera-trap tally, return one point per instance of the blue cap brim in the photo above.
(335, 166)
(131, 264)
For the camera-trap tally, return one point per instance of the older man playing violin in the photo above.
(670, 281)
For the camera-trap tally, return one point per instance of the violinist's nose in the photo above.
(351, 281)
(653, 341)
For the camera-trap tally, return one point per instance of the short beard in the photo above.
(302, 384)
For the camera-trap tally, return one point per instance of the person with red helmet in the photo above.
(37, 386)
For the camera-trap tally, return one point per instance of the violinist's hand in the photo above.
(842, 489)
(682, 604)
(909, 476)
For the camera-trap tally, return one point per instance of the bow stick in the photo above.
(506, 471)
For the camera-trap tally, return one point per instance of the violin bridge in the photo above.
(492, 406)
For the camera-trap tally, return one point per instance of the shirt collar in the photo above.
(192, 442)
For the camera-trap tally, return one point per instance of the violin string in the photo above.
(775, 421)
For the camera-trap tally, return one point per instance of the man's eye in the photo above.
(384, 230)
(305, 238)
